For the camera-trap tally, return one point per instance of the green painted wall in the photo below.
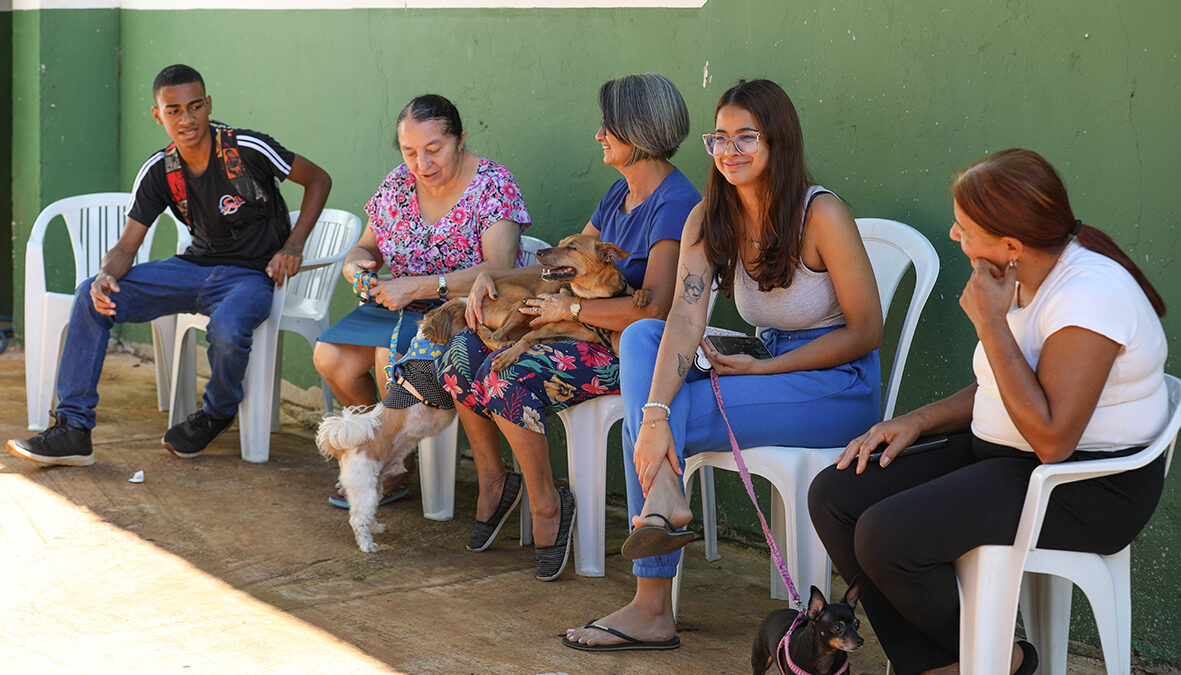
(894, 97)
(6, 238)
(65, 141)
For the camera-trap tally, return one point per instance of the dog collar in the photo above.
(786, 653)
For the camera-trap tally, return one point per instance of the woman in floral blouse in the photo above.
(436, 222)
(644, 121)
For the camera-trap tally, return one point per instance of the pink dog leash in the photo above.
(750, 492)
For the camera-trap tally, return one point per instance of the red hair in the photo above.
(1017, 193)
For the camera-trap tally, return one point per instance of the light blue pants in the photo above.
(812, 408)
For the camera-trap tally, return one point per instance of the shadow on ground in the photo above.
(214, 565)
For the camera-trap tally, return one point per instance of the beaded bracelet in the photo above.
(653, 404)
(362, 280)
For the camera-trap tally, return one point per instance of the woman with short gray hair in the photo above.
(644, 120)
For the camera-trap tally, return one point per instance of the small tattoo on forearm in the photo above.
(683, 361)
(693, 284)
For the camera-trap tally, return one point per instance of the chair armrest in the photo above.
(1046, 477)
(319, 262)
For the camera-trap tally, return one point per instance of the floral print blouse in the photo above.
(412, 247)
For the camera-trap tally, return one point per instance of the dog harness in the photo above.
(786, 658)
(227, 151)
(417, 369)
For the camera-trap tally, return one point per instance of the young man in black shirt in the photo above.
(223, 184)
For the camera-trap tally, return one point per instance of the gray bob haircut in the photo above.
(645, 111)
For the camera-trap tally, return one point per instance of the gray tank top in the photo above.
(809, 302)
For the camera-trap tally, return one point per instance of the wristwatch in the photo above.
(442, 287)
(575, 308)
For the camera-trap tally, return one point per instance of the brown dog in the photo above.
(580, 265)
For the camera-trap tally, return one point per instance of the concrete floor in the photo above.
(214, 565)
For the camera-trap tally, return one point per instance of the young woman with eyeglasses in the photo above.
(790, 254)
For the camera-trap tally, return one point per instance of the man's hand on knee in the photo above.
(100, 293)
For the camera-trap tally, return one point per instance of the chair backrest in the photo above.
(94, 222)
(893, 248)
(530, 246)
(1169, 433)
(335, 233)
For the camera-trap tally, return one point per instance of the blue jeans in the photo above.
(236, 300)
(810, 409)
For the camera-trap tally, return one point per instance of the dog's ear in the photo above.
(816, 604)
(853, 594)
(608, 252)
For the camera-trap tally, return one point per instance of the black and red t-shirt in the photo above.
(226, 228)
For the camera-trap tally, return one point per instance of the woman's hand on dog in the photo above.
(896, 433)
(548, 308)
(482, 287)
(654, 445)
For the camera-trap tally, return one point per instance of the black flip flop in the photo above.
(631, 644)
(650, 540)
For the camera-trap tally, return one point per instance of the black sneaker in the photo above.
(189, 438)
(59, 444)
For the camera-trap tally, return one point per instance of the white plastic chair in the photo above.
(437, 455)
(300, 306)
(893, 248)
(992, 578)
(94, 222)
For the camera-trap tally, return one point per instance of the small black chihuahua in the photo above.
(818, 643)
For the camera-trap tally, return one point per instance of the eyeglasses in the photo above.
(745, 143)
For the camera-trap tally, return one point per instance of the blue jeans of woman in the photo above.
(814, 408)
(236, 300)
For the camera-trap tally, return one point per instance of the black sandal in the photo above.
(651, 540)
(485, 531)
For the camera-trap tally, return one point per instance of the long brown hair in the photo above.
(781, 193)
(1017, 193)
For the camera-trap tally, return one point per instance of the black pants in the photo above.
(900, 529)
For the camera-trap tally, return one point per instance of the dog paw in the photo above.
(506, 358)
(642, 297)
(371, 547)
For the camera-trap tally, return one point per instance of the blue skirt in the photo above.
(372, 325)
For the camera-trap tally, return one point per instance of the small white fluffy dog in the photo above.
(374, 443)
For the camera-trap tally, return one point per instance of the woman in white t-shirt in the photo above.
(1069, 366)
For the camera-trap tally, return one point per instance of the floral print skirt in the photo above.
(550, 377)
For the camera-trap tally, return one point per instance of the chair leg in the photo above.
(709, 514)
(1045, 611)
(436, 472)
(255, 414)
(988, 608)
(524, 515)
(1106, 582)
(327, 396)
(163, 342)
(41, 363)
(183, 382)
(586, 455)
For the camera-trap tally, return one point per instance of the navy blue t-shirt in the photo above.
(226, 229)
(661, 216)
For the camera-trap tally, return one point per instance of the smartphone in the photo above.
(934, 443)
(739, 344)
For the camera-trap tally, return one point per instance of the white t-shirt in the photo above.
(1091, 291)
